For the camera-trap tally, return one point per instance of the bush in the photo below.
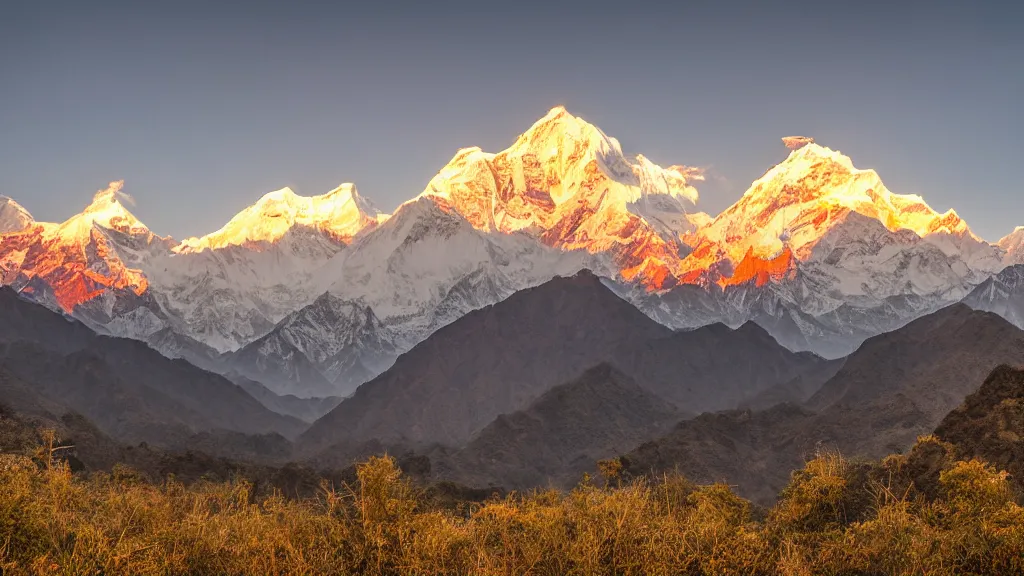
(54, 522)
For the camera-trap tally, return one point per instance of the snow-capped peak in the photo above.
(809, 156)
(558, 144)
(815, 231)
(799, 200)
(107, 211)
(1013, 244)
(106, 204)
(861, 190)
(88, 256)
(547, 135)
(1015, 238)
(341, 213)
(13, 218)
(568, 184)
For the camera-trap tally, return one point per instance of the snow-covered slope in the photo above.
(803, 205)
(823, 255)
(93, 267)
(313, 295)
(409, 264)
(1002, 294)
(221, 291)
(563, 197)
(13, 218)
(233, 286)
(567, 184)
(94, 257)
(420, 270)
(324, 349)
(339, 215)
(1013, 244)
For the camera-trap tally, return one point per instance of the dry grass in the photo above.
(834, 518)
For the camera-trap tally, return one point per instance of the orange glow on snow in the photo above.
(760, 270)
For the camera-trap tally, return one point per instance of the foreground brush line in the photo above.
(922, 513)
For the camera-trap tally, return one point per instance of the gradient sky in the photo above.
(203, 109)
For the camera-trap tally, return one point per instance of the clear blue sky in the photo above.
(203, 109)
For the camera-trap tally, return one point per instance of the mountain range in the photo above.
(528, 392)
(128, 390)
(500, 358)
(894, 388)
(313, 296)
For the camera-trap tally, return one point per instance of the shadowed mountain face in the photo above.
(895, 388)
(499, 359)
(305, 409)
(129, 390)
(990, 424)
(925, 368)
(492, 361)
(717, 368)
(754, 451)
(325, 349)
(562, 434)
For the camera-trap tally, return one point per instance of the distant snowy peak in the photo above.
(1002, 294)
(108, 269)
(91, 254)
(1013, 244)
(13, 218)
(340, 214)
(815, 245)
(107, 211)
(345, 320)
(423, 268)
(328, 347)
(798, 201)
(568, 184)
(558, 162)
(407, 264)
(816, 174)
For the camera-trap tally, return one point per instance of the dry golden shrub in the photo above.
(53, 522)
